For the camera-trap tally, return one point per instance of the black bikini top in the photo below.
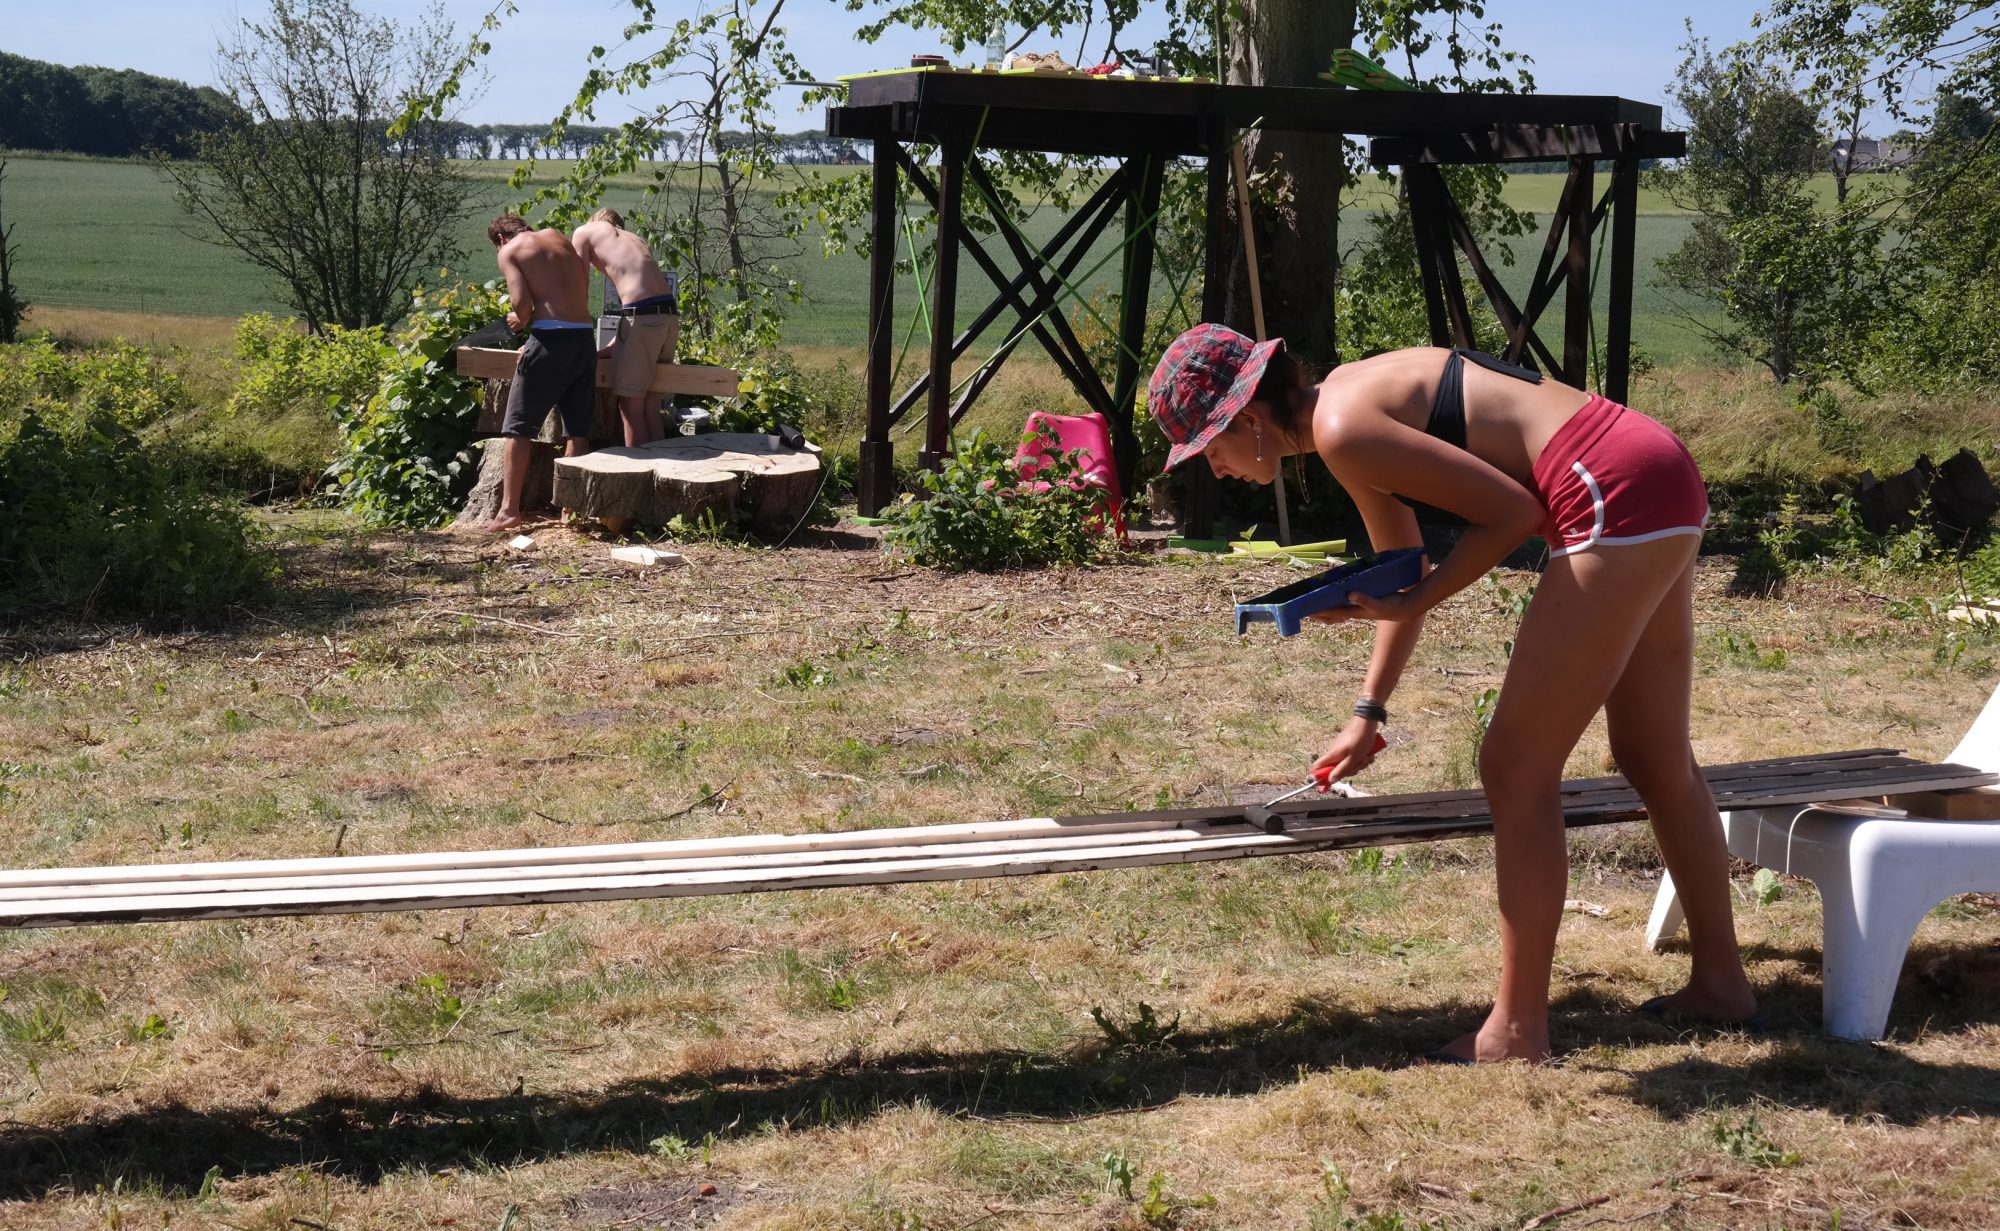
(1447, 421)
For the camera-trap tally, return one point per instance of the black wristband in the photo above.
(1371, 709)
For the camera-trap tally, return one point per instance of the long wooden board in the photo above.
(492, 363)
(770, 862)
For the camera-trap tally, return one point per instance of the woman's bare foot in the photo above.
(1495, 1043)
(501, 524)
(1730, 1005)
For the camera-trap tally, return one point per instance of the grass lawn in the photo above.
(107, 235)
(919, 1056)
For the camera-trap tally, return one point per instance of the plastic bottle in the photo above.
(996, 45)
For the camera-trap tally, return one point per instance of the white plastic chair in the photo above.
(1878, 876)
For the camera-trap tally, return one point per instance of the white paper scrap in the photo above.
(647, 557)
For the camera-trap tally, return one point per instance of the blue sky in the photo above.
(538, 56)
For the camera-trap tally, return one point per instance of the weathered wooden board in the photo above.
(1976, 804)
(770, 862)
(490, 363)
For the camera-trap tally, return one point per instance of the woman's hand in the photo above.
(1352, 751)
(1403, 605)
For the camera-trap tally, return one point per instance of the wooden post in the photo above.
(1429, 257)
(1624, 231)
(1544, 267)
(878, 468)
(1198, 481)
(944, 297)
(1576, 322)
(1237, 161)
(1140, 230)
(1437, 196)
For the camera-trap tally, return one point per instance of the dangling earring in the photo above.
(1260, 442)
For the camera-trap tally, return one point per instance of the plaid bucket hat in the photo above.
(1206, 377)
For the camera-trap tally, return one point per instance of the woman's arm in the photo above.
(1381, 453)
(1390, 525)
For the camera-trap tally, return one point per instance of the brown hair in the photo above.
(1282, 378)
(506, 227)
(612, 216)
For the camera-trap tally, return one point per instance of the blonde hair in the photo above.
(612, 216)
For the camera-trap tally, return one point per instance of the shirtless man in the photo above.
(649, 321)
(550, 291)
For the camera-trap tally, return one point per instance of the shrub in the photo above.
(91, 521)
(282, 370)
(978, 512)
(772, 389)
(137, 388)
(292, 394)
(407, 458)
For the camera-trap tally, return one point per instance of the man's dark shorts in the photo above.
(558, 367)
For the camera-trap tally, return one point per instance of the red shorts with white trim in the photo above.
(1612, 476)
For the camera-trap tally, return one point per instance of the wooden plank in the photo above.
(683, 848)
(1082, 102)
(1974, 804)
(452, 895)
(1728, 778)
(771, 862)
(493, 363)
(1576, 308)
(1525, 143)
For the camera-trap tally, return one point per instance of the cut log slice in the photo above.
(728, 473)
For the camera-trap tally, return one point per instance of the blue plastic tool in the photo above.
(1378, 575)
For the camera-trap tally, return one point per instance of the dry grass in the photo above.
(205, 335)
(923, 1055)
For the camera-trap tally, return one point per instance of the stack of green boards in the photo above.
(1351, 68)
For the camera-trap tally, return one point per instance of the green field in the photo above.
(107, 235)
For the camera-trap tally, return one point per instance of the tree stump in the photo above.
(483, 502)
(755, 478)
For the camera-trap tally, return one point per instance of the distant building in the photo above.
(1871, 154)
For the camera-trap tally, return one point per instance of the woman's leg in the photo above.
(1587, 614)
(1648, 716)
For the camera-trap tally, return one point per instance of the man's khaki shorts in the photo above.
(641, 342)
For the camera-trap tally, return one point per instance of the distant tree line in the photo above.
(111, 112)
(123, 113)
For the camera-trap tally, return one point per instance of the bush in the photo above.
(282, 370)
(293, 392)
(90, 521)
(135, 387)
(979, 512)
(407, 458)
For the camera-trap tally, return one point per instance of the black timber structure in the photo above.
(1143, 124)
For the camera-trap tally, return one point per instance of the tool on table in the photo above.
(1261, 815)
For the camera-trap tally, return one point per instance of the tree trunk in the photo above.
(733, 475)
(1287, 43)
(482, 503)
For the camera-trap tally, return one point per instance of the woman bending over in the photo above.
(1610, 627)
